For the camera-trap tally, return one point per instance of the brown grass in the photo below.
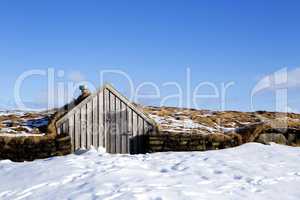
(204, 120)
(164, 113)
(31, 115)
(10, 117)
(20, 129)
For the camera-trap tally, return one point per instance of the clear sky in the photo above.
(153, 41)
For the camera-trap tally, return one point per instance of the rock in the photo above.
(200, 148)
(291, 139)
(183, 142)
(250, 132)
(156, 142)
(266, 138)
(294, 139)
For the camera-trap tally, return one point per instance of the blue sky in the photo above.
(153, 41)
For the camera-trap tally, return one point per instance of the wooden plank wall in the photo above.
(106, 121)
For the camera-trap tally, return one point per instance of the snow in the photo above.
(157, 119)
(250, 171)
(18, 123)
(11, 133)
(226, 130)
(169, 123)
(11, 112)
(37, 122)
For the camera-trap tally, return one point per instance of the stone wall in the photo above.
(173, 141)
(33, 147)
(28, 148)
(165, 141)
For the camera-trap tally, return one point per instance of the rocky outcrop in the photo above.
(249, 133)
(271, 137)
(265, 134)
(288, 136)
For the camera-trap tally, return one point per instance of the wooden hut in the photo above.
(107, 119)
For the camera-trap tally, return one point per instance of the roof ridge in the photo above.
(116, 93)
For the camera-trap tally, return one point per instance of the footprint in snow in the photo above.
(237, 177)
(218, 172)
(297, 173)
(164, 170)
(179, 167)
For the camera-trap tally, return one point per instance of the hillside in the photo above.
(19, 123)
(258, 126)
(261, 126)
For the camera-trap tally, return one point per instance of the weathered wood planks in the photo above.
(106, 119)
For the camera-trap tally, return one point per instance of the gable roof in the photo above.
(111, 89)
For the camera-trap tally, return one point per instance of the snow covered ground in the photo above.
(181, 125)
(21, 123)
(11, 112)
(251, 171)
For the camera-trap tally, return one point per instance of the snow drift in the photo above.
(250, 171)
